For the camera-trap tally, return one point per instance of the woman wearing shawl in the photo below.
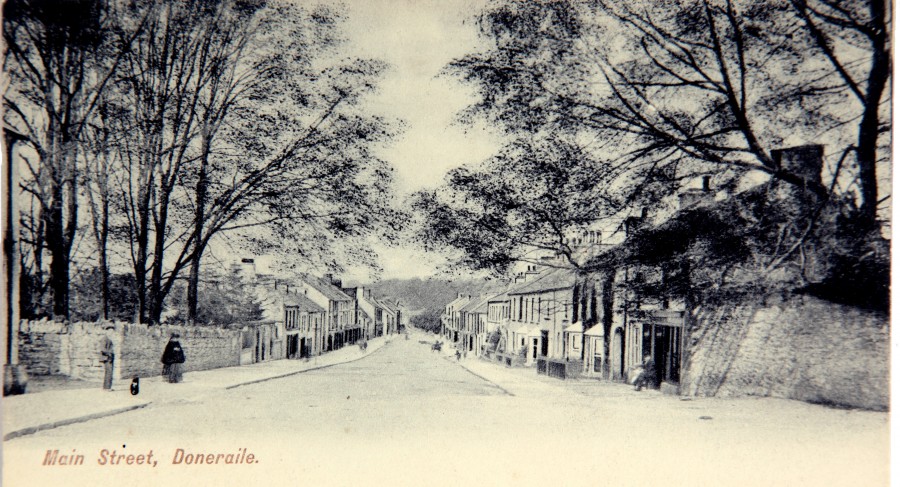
(172, 359)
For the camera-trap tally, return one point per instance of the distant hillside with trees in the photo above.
(425, 298)
(423, 295)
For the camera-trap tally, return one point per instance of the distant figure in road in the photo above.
(647, 376)
(172, 359)
(107, 357)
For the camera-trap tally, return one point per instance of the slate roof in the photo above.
(302, 302)
(550, 280)
(331, 292)
(499, 298)
(476, 305)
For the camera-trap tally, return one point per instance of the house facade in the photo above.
(339, 311)
(450, 320)
(304, 323)
(473, 325)
(540, 313)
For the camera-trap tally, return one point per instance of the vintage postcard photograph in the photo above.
(446, 242)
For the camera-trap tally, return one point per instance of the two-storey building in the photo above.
(339, 310)
(304, 323)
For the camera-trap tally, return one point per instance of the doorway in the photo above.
(663, 343)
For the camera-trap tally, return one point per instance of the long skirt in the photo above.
(172, 373)
(107, 375)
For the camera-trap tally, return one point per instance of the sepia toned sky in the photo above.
(418, 38)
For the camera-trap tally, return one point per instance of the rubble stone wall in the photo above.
(73, 349)
(804, 348)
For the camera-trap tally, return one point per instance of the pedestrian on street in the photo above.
(647, 377)
(107, 358)
(172, 359)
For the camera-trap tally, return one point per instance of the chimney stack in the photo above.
(692, 197)
(804, 161)
(635, 223)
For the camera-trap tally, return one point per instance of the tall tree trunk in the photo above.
(194, 279)
(143, 243)
(867, 144)
(102, 241)
(59, 258)
(159, 250)
(100, 223)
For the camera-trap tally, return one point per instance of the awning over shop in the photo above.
(595, 331)
(534, 331)
(574, 328)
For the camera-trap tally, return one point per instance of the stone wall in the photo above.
(40, 349)
(204, 348)
(805, 349)
(73, 349)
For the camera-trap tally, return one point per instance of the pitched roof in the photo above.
(331, 292)
(383, 304)
(499, 298)
(302, 302)
(476, 304)
(459, 301)
(549, 281)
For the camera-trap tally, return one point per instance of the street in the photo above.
(409, 416)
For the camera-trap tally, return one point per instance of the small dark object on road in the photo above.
(705, 417)
(436, 347)
(135, 386)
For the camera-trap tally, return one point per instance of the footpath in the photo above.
(526, 382)
(29, 413)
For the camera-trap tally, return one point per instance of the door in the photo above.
(663, 343)
(620, 340)
(292, 346)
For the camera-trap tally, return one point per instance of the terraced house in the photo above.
(340, 326)
(473, 324)
(304, 323)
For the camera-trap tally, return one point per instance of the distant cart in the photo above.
(436, 346)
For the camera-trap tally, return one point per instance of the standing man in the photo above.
(108, 357)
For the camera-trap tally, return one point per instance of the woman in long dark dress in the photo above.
(172, 359)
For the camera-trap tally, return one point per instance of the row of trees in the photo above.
(153, 129)
(611, 108)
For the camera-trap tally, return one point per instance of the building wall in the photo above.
(551, 310)
(805, 349)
